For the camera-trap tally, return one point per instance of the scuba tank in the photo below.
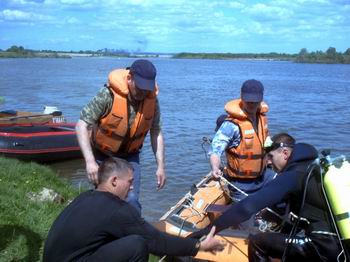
(336, 185)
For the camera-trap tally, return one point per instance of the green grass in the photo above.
(24, 224)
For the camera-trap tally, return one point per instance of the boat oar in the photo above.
(55, 113)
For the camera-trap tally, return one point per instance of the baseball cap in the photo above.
(252, 91)
(144, 73)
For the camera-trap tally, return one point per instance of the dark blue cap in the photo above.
(144, 73)
(252, 91)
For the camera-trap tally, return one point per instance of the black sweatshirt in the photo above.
(95, 218)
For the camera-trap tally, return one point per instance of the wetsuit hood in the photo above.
(302, 152)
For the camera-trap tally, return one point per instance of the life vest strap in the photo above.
(138, 136)
(246, 174)
(247, 156)
(110, 133)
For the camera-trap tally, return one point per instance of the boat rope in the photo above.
(232, 185)
(193, 210)
(205, 142)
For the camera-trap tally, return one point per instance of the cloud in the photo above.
(17, 15)
(74, 2)
(72, 20)
(197, 24)
(21, 3)
(268, 12)
(86, 37)
(236, 5)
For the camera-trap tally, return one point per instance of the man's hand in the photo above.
(161, 178)
(211, 244)
(217, 173)
(91, 170)
(83, 135)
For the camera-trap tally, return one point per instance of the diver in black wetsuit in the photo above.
(318, 241)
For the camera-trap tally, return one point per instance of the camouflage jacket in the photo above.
(101, 104)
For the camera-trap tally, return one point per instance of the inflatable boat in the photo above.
(50, 114)
(197, 209)
(45, 142)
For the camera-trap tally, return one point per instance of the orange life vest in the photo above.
(246, 160)
(114, 134)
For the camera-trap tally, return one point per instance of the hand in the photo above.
(216, 173)
(161, 178)
(91, 170)
(211, 244)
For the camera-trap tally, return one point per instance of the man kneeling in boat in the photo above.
(100, 226)
(299, 185)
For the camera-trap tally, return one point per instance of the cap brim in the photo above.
(144, 83)
(252, 97)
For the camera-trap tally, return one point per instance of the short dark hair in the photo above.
(112, 166)
(281, 140)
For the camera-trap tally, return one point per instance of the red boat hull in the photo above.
(41, 143)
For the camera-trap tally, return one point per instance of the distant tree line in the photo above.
(15, 51)
(331, 56)
(272, 55)
(19, 51)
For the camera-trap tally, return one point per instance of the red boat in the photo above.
(44, 142)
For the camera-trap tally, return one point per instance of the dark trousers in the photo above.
(131, 248)
(314, 247)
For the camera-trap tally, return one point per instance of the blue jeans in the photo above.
(134, 160)
(133, 196)
(251, 186)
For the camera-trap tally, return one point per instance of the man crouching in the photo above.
(100, 226)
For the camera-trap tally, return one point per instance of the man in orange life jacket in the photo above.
(117, 120)
(241, 136)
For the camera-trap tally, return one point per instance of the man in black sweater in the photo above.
(100, 226)
(319, 241)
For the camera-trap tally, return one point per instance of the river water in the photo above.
(310, 101)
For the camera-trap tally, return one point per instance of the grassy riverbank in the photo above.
(24, 223)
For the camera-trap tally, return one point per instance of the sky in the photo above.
(172, 26)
